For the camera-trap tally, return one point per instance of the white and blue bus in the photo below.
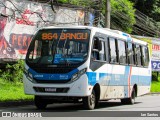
(86, 64)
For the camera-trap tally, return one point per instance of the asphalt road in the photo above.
(145, 107)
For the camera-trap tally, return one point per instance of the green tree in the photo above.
(150, 8)
(122, 15)
(122, 12)
(156, 11)
(83, 3)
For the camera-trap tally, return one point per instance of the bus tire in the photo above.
(39, 103)
(89, 102)
(130, 100)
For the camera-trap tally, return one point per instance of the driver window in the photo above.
(98, 52)
(95, 51)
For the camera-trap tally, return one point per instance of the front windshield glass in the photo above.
(59, 46)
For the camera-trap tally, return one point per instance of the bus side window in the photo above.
(122, 52)
(130, 55)
(145, 54)
(138, 55)
(99, 51)
(113, 50)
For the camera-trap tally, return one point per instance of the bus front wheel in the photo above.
(90, 101)
(39, 103)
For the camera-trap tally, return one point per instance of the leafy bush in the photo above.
(155, 76)
(13, 73)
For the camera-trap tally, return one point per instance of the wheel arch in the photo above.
(97, 90)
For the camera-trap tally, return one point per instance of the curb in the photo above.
(153, 93)
(15, 103)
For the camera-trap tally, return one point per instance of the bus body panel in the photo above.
(117, 81)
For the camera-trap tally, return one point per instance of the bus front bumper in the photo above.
(78, 88)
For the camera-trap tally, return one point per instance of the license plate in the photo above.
(50, 89)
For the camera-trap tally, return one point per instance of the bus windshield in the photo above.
(59, 46)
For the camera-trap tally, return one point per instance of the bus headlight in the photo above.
(78, 74)
(75, 77)
(28, 75)
(25, 72)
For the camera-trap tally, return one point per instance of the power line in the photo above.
(141, 21)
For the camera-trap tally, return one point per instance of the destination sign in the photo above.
(64, 36)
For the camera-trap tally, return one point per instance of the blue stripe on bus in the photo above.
(124, 34)
(117, 79)
(44, 76)
(91, 78)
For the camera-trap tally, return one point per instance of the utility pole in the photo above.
(107, 15)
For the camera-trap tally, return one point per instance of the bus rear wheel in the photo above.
(130, 100)
(90, 101)
(40, 103)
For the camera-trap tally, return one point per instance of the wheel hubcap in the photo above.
(92, 100)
